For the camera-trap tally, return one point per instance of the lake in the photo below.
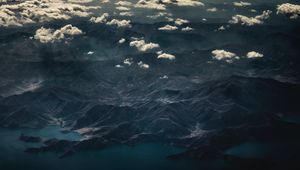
(149, 156)
(272, 150)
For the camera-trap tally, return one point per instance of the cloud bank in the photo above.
(39, 11)
(250, 21)
(292, 10)
(142, 46)
(45, 35)
(224, 55)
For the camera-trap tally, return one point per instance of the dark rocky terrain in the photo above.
(254, 110)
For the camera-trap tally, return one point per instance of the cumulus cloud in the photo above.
(222, 28)
(126, 13)
(253, 10)
(122, 8)
(142, 46)
(38, 11)
(124, 3)
(163, 77)
(90, 53)
(143, 65)
(122, 40)
(102, 19)
(186, 29)
(45, 35)
(214, 9)
(184, 2)
(162, 4)
(180, 21)
(150, 4)
(80, 1)
(250, 21)
(224, 55)
(292, 10)
(166, 56)
(241, 4)
(168, 28)
(119, 66)
(159, 14)
(169, 19)
(159, 52)
(265, 15)
(120, 23)
(128, 61)
(253, 54)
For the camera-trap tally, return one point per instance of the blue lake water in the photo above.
(10, 138)
(292, 119)
(271, 150)
(147, 156)
(150, 156)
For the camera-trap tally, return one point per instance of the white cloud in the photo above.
(150, 4)
(119, 66)
(164, 77)
(169, 19)
(224, 55)
(45, 35)
(189, 3)
(90, 52)
(168, 28)
(34, 11)
(104, 1)
(265, 15)
(184, 2)
(80, 1)
(180, 21)
(114, 22)
(253, 54)
(244, 20)
(159, 14)
(186, 29)
(222, 28)
(142, 46)
(124, 3)
(214, 9)
(289, 9)
(253, 10)
(126, 13)
(143, 65)
(120, 23)
(102, 19)
(122, 8)
(250, 21)
(166, 56)
(128, 61)
(241, 4)
(159, 52)
(122, 40)
(162, 5)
